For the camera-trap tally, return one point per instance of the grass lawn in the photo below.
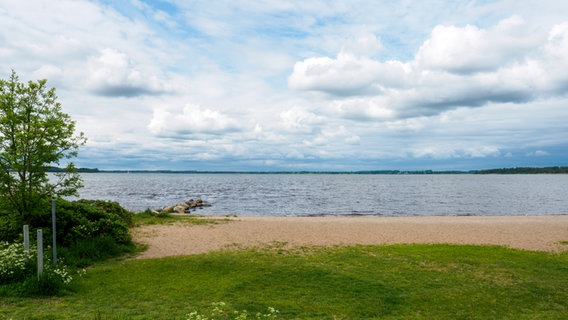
(357, 282)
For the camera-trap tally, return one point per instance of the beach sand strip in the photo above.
(540, 233)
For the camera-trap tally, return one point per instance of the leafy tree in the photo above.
(34, 135)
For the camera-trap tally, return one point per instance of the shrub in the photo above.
(19, 269)
(93, 230)
(15, 262)
(50, 282)
(87, 230)
(85, 219)
(219, 311)
(9, 227)
(110, 207)
(89, 219)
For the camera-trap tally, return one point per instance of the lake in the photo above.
(336, 194)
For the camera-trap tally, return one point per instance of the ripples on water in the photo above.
(336, 194)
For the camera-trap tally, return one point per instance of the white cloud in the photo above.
(300, 120)
(538, 153)
(329, 136)
(456, 67)
(442, 151)
(471, 49)
(113, 73)
(299, 83)
(191, 120)
(347, 74)
(362, 108)
(365, 46)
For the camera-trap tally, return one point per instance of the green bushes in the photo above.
(76, 220)
(89, 219)
(87, 231)
(15, 263)
(18, 272)
(92, 230)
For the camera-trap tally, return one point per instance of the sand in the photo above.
(540, 233)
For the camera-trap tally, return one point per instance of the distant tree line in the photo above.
(55, 169)
(525, 170)
(517, 170)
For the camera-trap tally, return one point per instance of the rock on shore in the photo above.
(184, 207)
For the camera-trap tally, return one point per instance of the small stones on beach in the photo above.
(184, 207)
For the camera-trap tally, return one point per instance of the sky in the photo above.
(270, 85)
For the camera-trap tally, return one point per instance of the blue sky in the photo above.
(301, 85)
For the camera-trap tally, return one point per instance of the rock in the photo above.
(185, 207)
(191, 203)
(179, 209)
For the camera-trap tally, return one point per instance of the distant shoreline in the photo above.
(516, 170)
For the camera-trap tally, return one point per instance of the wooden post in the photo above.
(26, 238)
(39, 252)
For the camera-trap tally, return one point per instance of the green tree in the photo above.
(34, 135)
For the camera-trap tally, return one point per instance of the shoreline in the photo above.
(529, 232)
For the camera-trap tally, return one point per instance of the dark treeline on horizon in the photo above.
(516, 170)
(525, 170)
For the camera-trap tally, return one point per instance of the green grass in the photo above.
(149, 218)
(360, 282)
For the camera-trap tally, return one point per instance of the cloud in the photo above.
(322, 84)
(442, 151)
(300, 120)
(366, 45)
(471, 49)
(114, 74)
(337, 135)
(191, 120)
(362, 108)
(556, 60)
(351, 72)
(456, 67)
(347, 75)
(538, 153)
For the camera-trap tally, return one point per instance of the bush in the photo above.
(219, 311)
(87, 230)
(84, 219)
(93, 230)
(111, 207)
(89, 219)
(15, 263)
(9, 227)
(18, 269)
(50, 282)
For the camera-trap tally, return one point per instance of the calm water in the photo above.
(343, 194)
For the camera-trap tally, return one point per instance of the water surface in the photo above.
(337, 194)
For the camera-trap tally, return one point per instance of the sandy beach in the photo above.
(541, 233)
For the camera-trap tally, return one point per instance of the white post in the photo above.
(26, 238)
(54, 232)
(39, 252)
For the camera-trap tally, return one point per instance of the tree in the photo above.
(34, 135)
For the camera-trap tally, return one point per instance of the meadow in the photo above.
(343, 282)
